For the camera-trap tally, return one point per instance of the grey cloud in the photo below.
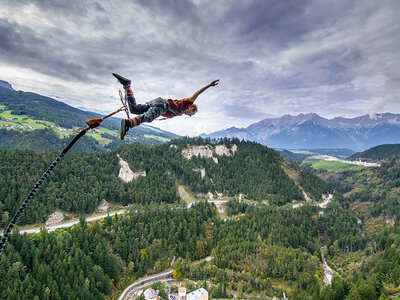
(271, 56)
(71, 7)
(275, 21)
(177, 10)
(20, 46)
(98, 7)
(352, 56)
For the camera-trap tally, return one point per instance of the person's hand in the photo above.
(214, 83)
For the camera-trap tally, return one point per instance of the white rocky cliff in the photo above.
(126, 174)
(209, 151)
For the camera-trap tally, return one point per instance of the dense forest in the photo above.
(88, 261)
(312, 184)
(261, 247)
(254, 250)
(79, 183)
(268, 244)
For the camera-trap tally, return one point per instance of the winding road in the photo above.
(68, 224)
(97, 217)
(322, 205)
(142, 282)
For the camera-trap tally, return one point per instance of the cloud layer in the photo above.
(335, 58)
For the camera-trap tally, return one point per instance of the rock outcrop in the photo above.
(209, 151)
(55, 218)
(202, 172)
(126, 174)
(103, 206)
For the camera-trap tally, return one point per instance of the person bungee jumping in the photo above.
(151, 110)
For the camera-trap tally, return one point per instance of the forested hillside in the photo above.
(46, 140)
(381, 152)
(372, 192)
(82, 180)
(24, 118)
(253, 170)
(44, 108)
(312, 184)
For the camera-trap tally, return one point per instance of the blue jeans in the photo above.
(149, 111)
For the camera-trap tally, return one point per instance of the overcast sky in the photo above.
(334, 58)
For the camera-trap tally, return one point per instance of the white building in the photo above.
(200, 294)
(150, 294)
(182, 293)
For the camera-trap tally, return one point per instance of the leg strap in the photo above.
(135, 121)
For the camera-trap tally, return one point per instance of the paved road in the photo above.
(128, 293)
(148, 279)
(326, 202)
(322, 205)
(216, 202)
(68, 224)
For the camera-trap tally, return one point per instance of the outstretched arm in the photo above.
(195, 95)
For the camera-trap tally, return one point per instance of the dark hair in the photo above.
(195, 108)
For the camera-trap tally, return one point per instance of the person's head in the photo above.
(191, 111)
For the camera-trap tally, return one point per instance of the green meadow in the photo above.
(157, 137)
(335, 166)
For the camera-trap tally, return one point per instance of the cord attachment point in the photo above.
(93, 123)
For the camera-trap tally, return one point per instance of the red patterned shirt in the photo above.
(177, 107)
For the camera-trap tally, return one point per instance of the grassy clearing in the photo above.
(8, 122)
(335, 166)
(154, 129)
(157, 137)
(97, 136)
(282, 284)
(291, 173)
(23, 120)
(222, 212)
(106, 130)
(7, 114)
(302, 152)
(9, 118)
(185, 195)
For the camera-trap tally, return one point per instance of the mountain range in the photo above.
(312, 131)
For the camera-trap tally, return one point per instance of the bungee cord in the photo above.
(92, 123)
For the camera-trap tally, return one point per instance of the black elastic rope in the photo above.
(35, 188)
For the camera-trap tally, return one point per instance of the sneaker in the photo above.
(125, 125)
(124, 81)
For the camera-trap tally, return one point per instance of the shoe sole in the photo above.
(119, 77)
(122, 131)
